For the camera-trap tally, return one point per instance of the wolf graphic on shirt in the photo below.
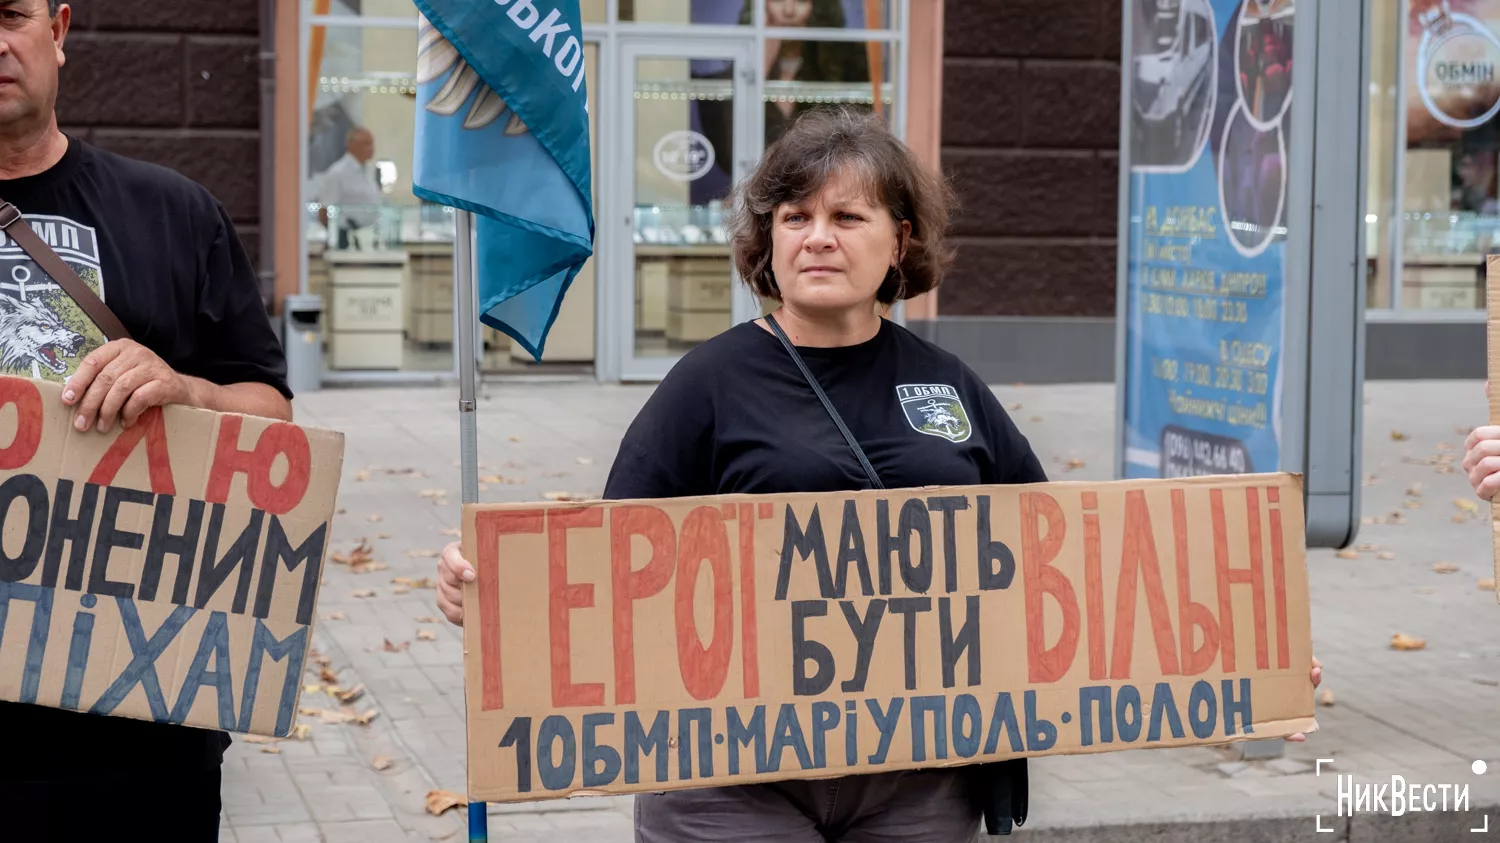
(43, 332)
(936, 410)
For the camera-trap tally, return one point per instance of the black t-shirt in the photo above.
(162, 253)
(735, 416)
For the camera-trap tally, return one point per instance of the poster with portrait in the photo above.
(1211, 92)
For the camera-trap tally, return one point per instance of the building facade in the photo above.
(1018, 102)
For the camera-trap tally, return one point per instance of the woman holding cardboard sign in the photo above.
(838, 223)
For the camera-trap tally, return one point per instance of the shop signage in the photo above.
(1206, 241)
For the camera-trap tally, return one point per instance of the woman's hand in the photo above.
(1317, 679)
(453, 572)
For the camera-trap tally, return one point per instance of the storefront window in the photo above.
(593, 11)
(1432, 206)
(823, 14)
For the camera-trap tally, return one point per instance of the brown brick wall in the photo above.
(172, 82)
(1030, 137)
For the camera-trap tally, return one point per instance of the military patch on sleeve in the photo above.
(936, 410)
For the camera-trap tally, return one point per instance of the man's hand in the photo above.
(121, 380)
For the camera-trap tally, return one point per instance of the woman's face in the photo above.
(832, 251)
(788, 12)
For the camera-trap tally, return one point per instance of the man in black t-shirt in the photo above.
(163, 255)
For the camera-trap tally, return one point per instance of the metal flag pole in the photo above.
(466, 305)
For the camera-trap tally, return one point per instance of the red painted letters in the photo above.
(631, 585)
(488, 528)
(1139, 554)
(1038, 549)
(28, 438)
(280, 439)
(563, 597)
(704, 668)
(151, 427)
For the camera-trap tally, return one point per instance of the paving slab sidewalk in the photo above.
(1427, 715)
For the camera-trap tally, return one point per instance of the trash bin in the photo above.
(302, 337)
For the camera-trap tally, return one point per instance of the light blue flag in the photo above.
(502, 131)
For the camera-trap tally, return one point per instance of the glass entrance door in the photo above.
(686, 142)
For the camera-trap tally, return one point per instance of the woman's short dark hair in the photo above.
(826, 142)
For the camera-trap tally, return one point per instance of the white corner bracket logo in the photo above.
(1398, 797)
(936, 410)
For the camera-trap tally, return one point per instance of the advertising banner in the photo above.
(1211, 92)
(168, 571)
(623, 646)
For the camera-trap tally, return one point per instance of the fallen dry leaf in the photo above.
(271, 750)
(491, 478)
(1385, 554)
(258, 739)
(1487, 584)
(1074, 463)
(363, 592)
(335, 616)
(433, 493)
(1325, 698)
(585, 460)
(336, 717)
(370, 568)
(1347, 553)
(396, 648)
(1444, 446)
(1415, 490)
(364, 719)
(426, 635)
(423, 554)
(401, 589)
(381, 762)
(350, 695)
(1400, 641)
(382, 535)
(515, 438)
(1398, 436)
(1427, 589)
(312, 689)
(557, 496)
(1445, 567)
(375, 518)
(362, 476)
(329, 675)
(426, 619)
(452, 531)
(1036, 418)
(1412, 504)
(1459, 519)
(301, 731)
(425, 582)
(1467, 505)
(439, 801)
(1366, 547)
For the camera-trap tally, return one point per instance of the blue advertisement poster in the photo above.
(1210, 123)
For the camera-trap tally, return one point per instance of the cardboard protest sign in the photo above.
(167, 572)
(1492, 342)
(651, 645)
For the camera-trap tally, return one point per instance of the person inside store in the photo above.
(784, 61)
(165, 258)
(350, 186)
(837, 224)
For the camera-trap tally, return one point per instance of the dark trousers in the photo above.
(141, 807)
(919, 806)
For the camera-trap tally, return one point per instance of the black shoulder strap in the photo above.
(12, 223)
(827, 405)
